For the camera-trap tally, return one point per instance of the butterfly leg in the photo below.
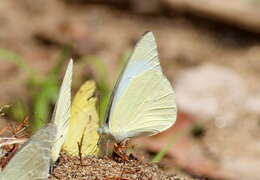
(120, 150)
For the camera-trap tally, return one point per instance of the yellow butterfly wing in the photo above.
(84, 122)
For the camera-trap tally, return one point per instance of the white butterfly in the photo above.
(32, 161)
(143, 101)
(61, 114)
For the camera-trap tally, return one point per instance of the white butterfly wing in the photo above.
(144, 57)
(144, 101)
(32, 161)
(61, 113)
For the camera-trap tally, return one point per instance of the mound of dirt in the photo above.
(106, 168)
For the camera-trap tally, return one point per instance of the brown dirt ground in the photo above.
(106, 168)
(37, 30)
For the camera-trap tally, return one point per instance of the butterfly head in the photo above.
(106, 133)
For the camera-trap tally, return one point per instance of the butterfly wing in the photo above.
(32, 161)
(144, 101)
(61, 113)
(84, 122)
(144, 57)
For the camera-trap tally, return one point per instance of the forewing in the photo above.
(61, 113)
(144, 58)
(32, 161)
(84, 122)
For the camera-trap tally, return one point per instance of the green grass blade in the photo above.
(16, 59)
(46, 93)
(160, 155)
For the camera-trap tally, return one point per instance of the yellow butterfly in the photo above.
(84, 122)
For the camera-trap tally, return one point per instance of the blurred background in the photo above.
(210, 51)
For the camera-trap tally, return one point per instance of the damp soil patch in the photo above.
(91, 167)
